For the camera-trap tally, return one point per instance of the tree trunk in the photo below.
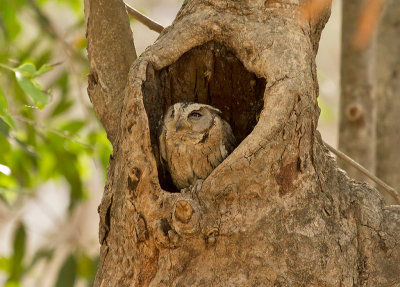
(388, 97)
(277, 211)
(357, 112)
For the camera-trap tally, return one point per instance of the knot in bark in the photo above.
(354, 112)
(186, 216)
(183, 211)
(211, 237)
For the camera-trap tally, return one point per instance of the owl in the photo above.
(194, 140)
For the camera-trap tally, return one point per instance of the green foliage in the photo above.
(4, 115)
(67, 274)
(47, 130)
(86, 268)
(16, 267)
(77, 265)
(14, 264)
(25, 75)
(41, 146)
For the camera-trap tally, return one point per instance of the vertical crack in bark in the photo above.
(107, 221)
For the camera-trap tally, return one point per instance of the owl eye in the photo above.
(195, 114)
(172, 114)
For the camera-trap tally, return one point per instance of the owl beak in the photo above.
(178, 125)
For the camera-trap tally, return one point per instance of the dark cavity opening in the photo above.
(208, 74)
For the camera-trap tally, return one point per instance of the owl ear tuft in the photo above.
(214, 110)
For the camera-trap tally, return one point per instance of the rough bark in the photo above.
(277, 211)
(388, 97)
(357, 111)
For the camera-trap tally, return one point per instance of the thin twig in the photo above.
(152, 25)
(364, 171)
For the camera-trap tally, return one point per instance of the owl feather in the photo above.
(194, 140)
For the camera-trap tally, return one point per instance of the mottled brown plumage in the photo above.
(194, 140)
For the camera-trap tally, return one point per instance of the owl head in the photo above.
(189, 118)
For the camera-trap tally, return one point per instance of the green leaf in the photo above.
(30, 88)
(5, 264)
(73, 126)
(25, 75)
(19, 251)
(7, 182)
(61, 107)
(12, 283)
(47, 163)
(63, 84)
(43, 69)
(76, 5)
(95, 264)
(67, 274)
(85, 266)
(4, 115)
(8, 119)
(27, 69)
(8, 12)
(4, 129)
(103, 146)
(44, 57)
(29, 48)
(3, 101)
(73, 177)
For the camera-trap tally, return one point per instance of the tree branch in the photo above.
(364, 171)
(111, 52)
(152, 25)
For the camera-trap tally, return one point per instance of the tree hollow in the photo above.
(208, 74)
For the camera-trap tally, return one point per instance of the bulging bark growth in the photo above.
(277, 211)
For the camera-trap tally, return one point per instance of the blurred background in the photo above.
(54, 152)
